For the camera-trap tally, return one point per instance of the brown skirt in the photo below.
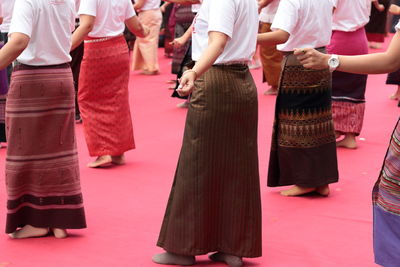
(214, 203)
(42, 171)
(303, 150)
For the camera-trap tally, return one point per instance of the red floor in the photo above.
(125, 205)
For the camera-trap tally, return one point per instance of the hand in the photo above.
(381, 8)
(162, 9)
(311, 58)
(186, 83)
(394, 9)
(146, 31)
(178, 42)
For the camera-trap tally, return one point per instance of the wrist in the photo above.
(191, 71)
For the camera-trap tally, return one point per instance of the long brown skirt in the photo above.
(214, 203)
(42, 171)
(303, 150)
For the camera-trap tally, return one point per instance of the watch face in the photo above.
(333, 62)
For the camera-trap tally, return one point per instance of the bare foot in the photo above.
(29, 231)
(101, 161)
(349, 141)
(271, 91)
(118, 160)
(323, 190)
(59, 233)
(230, 260)
(168, 258)
(297, 191)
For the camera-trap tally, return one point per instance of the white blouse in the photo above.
(309, 23)
(110, 16)
(238, 19)
(49, 25)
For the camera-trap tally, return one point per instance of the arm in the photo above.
(136, 27)
(1, 20)
(85, 26)
(15, 46)
(394, 9)
(164, 6)
(184, 2)
(364, 64)
(378, 6)
(273, 38)
(139, 4)
(180, 41)
(216, 45)
(263, 3)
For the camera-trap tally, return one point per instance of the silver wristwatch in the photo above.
(333, 62)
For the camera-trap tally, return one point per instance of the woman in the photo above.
(303, 150)
(42, 170)
(145, 50)
(386, 193)
(103, 82)
(214, 204)
(271, 58)
(376, 27)
(348, 90)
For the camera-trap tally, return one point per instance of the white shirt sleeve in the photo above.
(286, 17)
(88, 7)
(130, 12)
(398, 26)
(23, 18)
(222, 14)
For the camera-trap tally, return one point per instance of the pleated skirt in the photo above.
(386, 206)
(303, 149)
(42, 171)
(103, 98)
(214, 203)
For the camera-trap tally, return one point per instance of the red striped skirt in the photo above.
(42, 171)
(103, 97)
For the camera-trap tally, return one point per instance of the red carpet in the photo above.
(125, 205)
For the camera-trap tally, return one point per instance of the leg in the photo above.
(349, 141)
(230, 260)
(29, 231)
(118, 160)
(168, 258)
(296, 190)
(101, 161)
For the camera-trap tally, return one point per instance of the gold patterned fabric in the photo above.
(303, 150)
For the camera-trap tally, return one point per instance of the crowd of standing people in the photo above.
(70, 63)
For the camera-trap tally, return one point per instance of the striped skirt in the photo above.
(42, 171)
(348, 89)
(103, 98)
(303, 150)
(214, 203)
(386, 205)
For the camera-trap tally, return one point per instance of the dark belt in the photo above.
(320, 49)
(20, 66)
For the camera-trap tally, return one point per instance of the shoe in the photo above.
(271, 91)
(183, 105)
(101, 161)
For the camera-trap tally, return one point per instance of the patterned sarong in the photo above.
(303, 150)
(104, 98)
(348, 89)
(214, 203)
(42, 170)
(386, 204)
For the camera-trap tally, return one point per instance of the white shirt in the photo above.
(351, 15)
(196, 7)
(309, 23)
(151, 4)
(110, 16)
(49, 25)
(268, 13)
(7, 8)
(238, 19)
(398, 26)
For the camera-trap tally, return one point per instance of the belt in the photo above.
(238, 62)
(97, 40)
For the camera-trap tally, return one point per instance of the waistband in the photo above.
(19, 66)
(101, 39)
(320, 49)
(230, 63)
